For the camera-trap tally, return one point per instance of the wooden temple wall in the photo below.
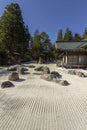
(75, 60)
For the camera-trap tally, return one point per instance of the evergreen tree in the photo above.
(36, 39)
(41, 43)
(46, 46)
(85, 34)
(45, 41)
(77, 37)
(36, 45)
(14, 35)
(36, 33)
(60, 35)
(68, 35)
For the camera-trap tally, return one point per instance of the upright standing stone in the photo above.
(46, 70)
(13, 76)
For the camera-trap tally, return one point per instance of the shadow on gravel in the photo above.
(20, 80)
(35, 73)
(27, 73)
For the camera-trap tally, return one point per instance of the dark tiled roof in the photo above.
(70, 45)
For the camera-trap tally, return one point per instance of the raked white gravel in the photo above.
(36, 104)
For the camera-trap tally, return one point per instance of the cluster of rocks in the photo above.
(52, 76)
(73, 72)
(45, 74)
(18, 68)
(13, 76)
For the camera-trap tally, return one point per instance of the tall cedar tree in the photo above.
(36, 45)
(45, 41)
(36, 39)
(85, 34)
(60, 35)
(14, 35)
(68, 35)
(77, 37)
(41, 43)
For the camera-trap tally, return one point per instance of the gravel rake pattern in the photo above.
(49, 108)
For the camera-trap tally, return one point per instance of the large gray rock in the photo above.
(13, 76)
(25, 69)
(63, 82)
(39, 68)
(7, 84)
(12, 69)
(21, 70)
(55, 75)
(73, 72)
(47, 77)
(45, 70)
(80, 74)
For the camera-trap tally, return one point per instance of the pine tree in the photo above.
(68, 35)
(45, 41)
(36, 45)
(85, 34)
(60, 35)
(13, 32)
(77, 37)
(36, 39)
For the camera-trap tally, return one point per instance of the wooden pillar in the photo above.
(66, 59)
(78, 60)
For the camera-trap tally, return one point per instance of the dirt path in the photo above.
(35, 104)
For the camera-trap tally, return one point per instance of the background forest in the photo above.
(15, 37)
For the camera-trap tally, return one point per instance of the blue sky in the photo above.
(52, 15)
